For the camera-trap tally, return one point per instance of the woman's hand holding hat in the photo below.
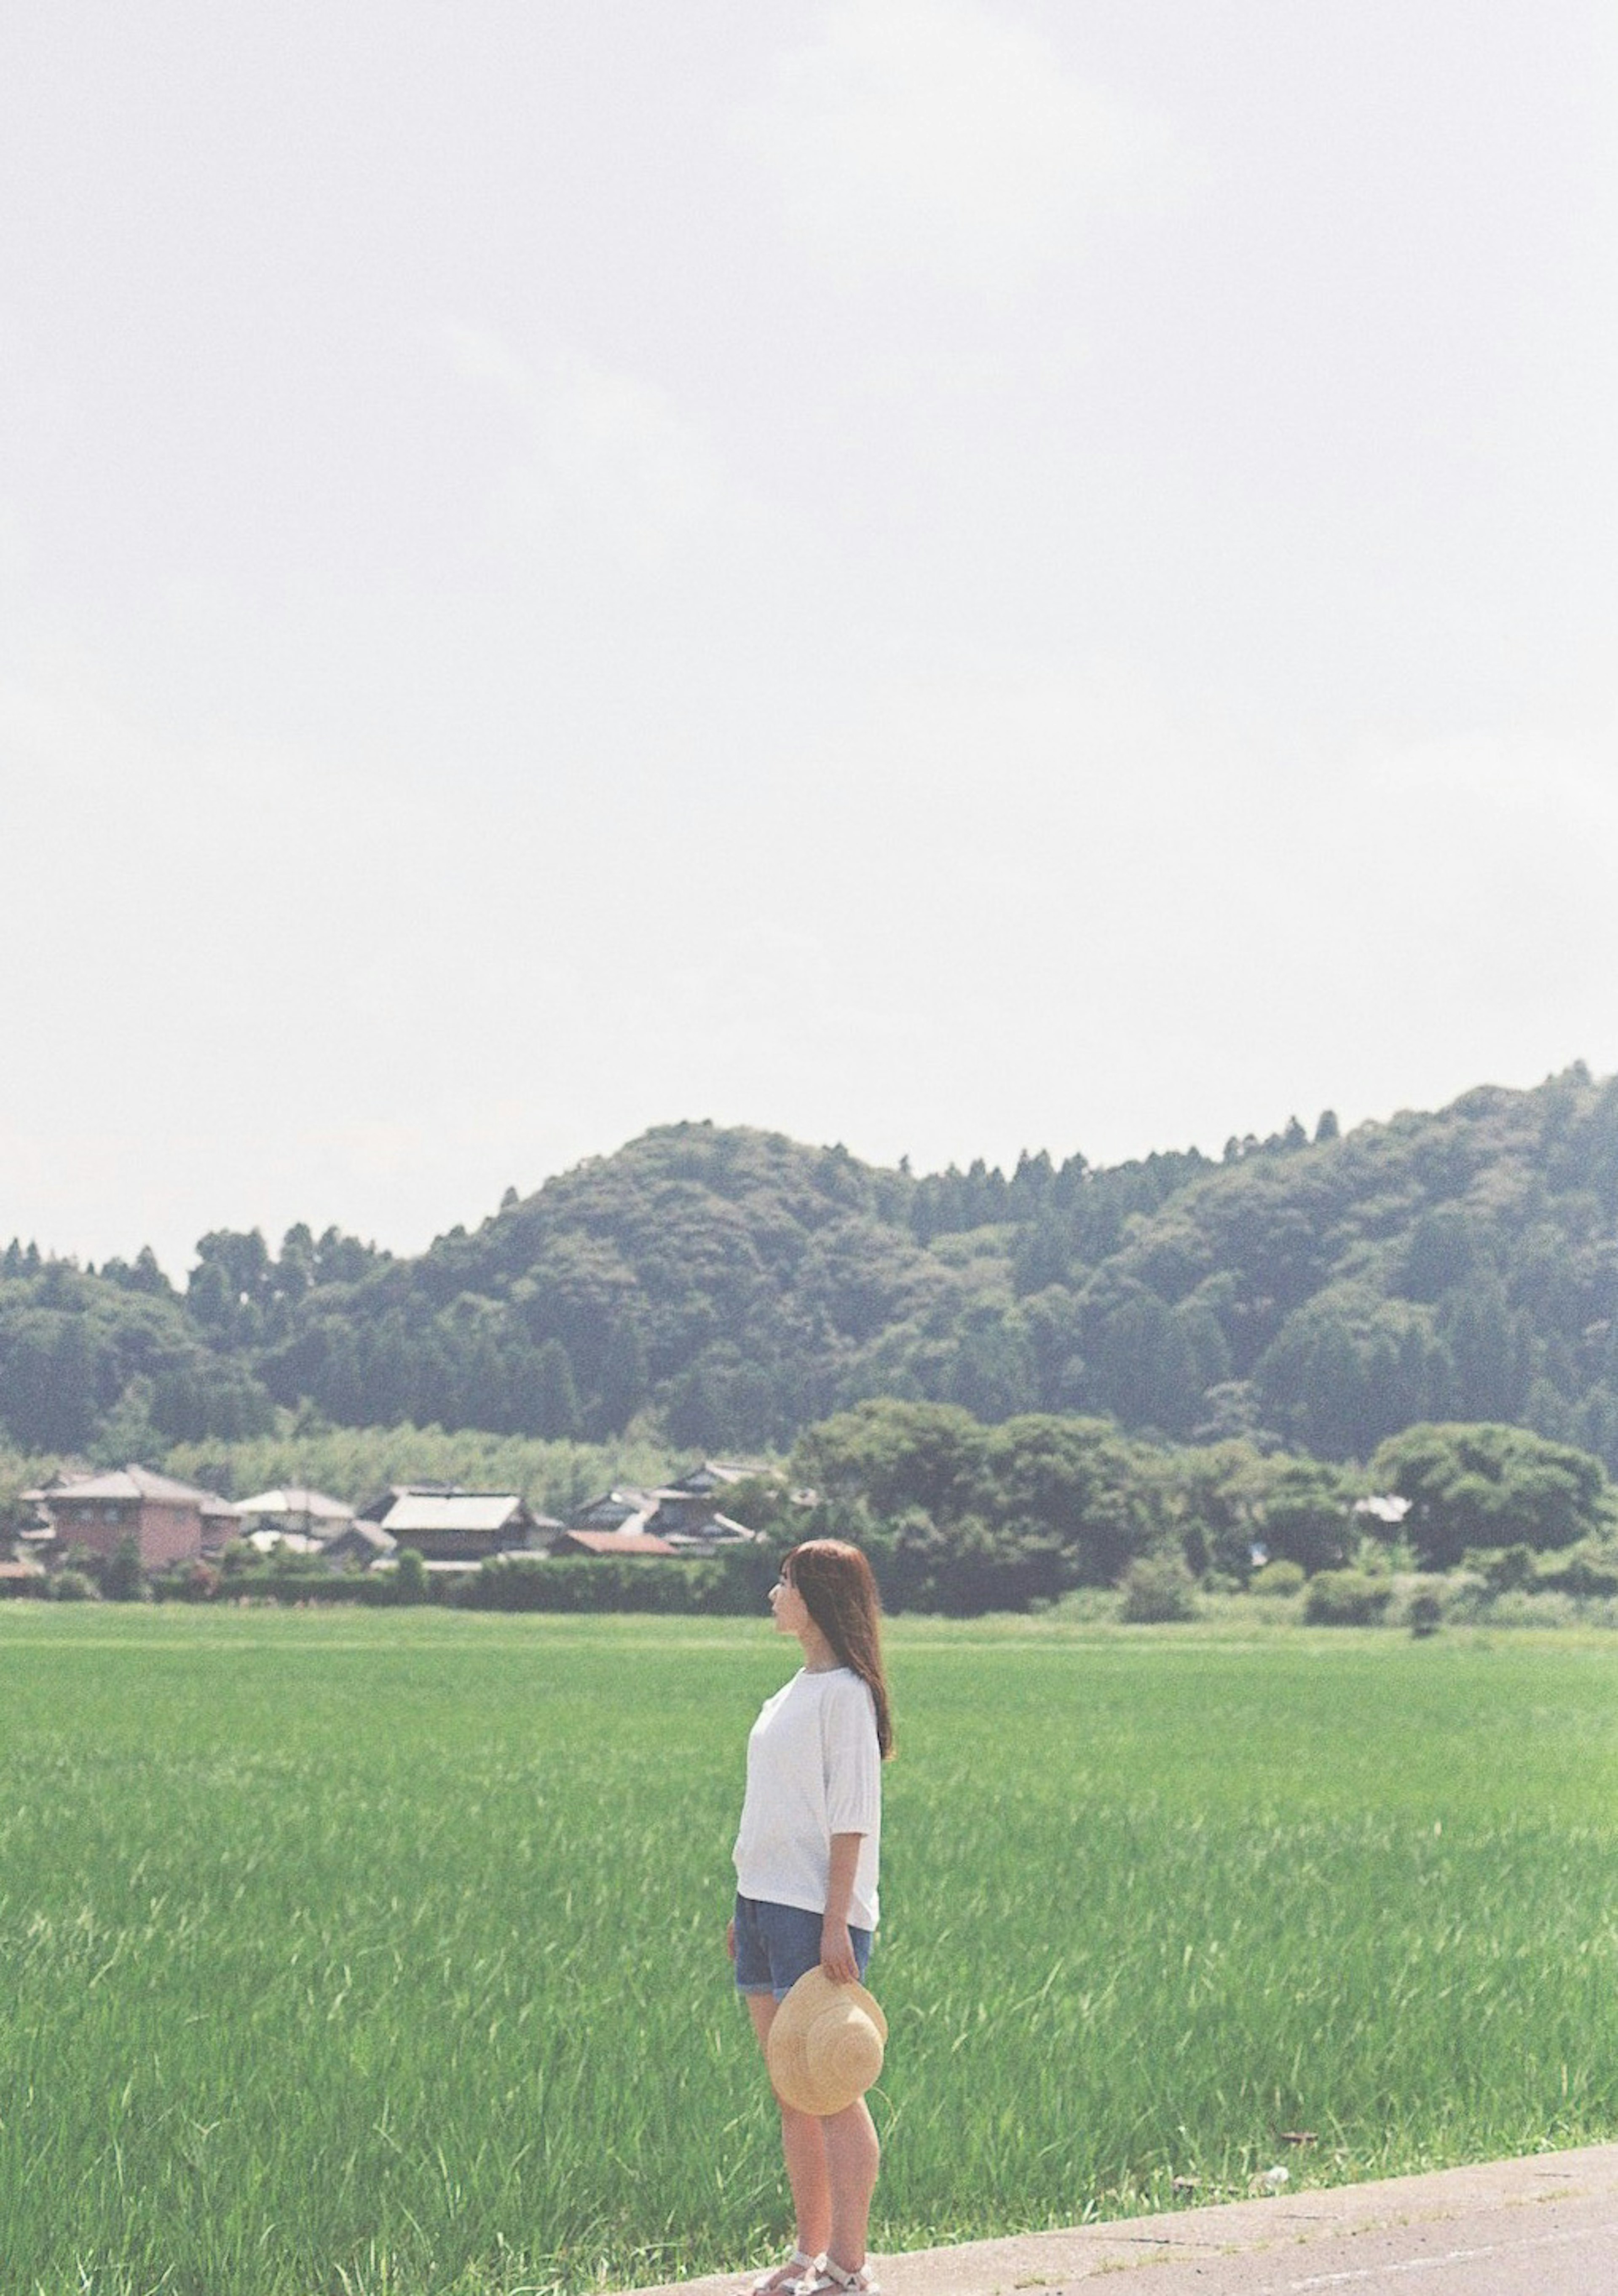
(836, 1953)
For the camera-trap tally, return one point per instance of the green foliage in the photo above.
(188, 1582)
(720, 1586)
(1307, 1514)
(729, 1288)
(1346, 1598)
(1588, 1570)
(890, 1454)
(962, 1567)
(296, 1581)
(962, 1517)
(1281, 1577)
(73, 1345)
(1503, 1570)
(122, 1580)
(1487, 1486)
(410, 1575)
(1426, 1612)
(1215, 1498)
(1157, 1590)
(71, 1586)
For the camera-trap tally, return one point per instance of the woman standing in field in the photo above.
(806, 1860)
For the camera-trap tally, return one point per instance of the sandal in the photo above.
(787, 2277)
(828, 2279)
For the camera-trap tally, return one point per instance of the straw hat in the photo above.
(825, 2044)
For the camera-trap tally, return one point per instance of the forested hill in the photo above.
(739, 1285)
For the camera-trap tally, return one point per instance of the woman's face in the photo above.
(788, 1607)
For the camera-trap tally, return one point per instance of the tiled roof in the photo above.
(469, 1511)
(617, 1542)
(713, 1530)
(614, 1507)
(712, 1473)
(131, 1483)
(368, 1534)
(295, 1500)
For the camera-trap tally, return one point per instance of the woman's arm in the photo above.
(837, 1947)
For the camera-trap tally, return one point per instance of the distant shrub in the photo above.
(74, 1587)
(722, 1584)
(1503, 1570)
(123, 1580)
(296, 1582)
(1587, 1570)
(373, 1587)
(410, 1575)
(1157, 1590)
(1283, 1577)
(1425, 1612)
(1520, 1609)
(1346, 1598)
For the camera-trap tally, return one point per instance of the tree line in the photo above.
(720, 1288)
(961, 1517)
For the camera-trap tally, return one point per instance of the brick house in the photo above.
(169, 1521)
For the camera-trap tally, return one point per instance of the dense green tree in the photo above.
(556, 1412)
(1213, 1497)
(1095, 1493)
(411, 1583)
(122, 1580)
(1486, 1487)
(894, 1456)
(71, 1344)
(1307, 1516)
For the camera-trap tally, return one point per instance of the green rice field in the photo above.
(360, 1954)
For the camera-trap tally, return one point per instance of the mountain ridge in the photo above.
(734, 1285)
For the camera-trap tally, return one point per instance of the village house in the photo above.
(711, 1476)
(685, 1514)
(701, 1532)
(679, 1518)
(361, 1543)
(295, 1511)
(446, 1524)
(691, 1523)
(622, 1509)
(169, 1521)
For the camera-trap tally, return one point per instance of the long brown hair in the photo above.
(840, 1596)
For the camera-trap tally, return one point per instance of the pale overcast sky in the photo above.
(944, 574)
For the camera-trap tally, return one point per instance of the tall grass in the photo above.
(381, 1955)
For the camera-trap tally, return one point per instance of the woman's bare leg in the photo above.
(853, 2157)
(805, 2151)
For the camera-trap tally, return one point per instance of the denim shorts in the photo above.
(776, 1944)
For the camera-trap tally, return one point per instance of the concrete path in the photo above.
(1544, 2226)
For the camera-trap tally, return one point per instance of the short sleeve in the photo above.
(853, 1762)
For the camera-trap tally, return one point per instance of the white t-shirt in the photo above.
(813, 1770)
